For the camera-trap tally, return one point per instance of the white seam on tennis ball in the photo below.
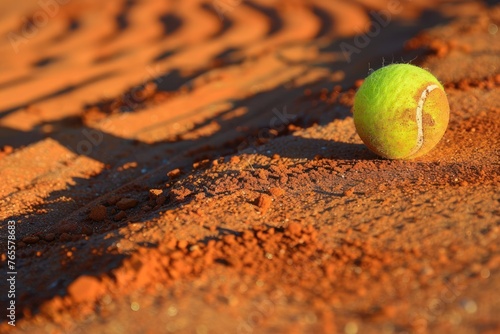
(420, 118)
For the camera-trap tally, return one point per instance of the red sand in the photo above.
(193, 167)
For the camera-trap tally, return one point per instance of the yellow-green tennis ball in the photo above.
(401, 111)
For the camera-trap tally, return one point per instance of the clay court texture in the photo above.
(193, 167)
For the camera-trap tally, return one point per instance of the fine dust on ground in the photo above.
(193, 167)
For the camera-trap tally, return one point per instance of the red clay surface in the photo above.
(193, 167)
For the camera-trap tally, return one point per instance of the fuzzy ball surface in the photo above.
(401, 111)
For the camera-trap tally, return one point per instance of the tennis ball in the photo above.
(401, 111)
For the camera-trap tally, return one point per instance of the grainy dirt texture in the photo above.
(193, 167)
